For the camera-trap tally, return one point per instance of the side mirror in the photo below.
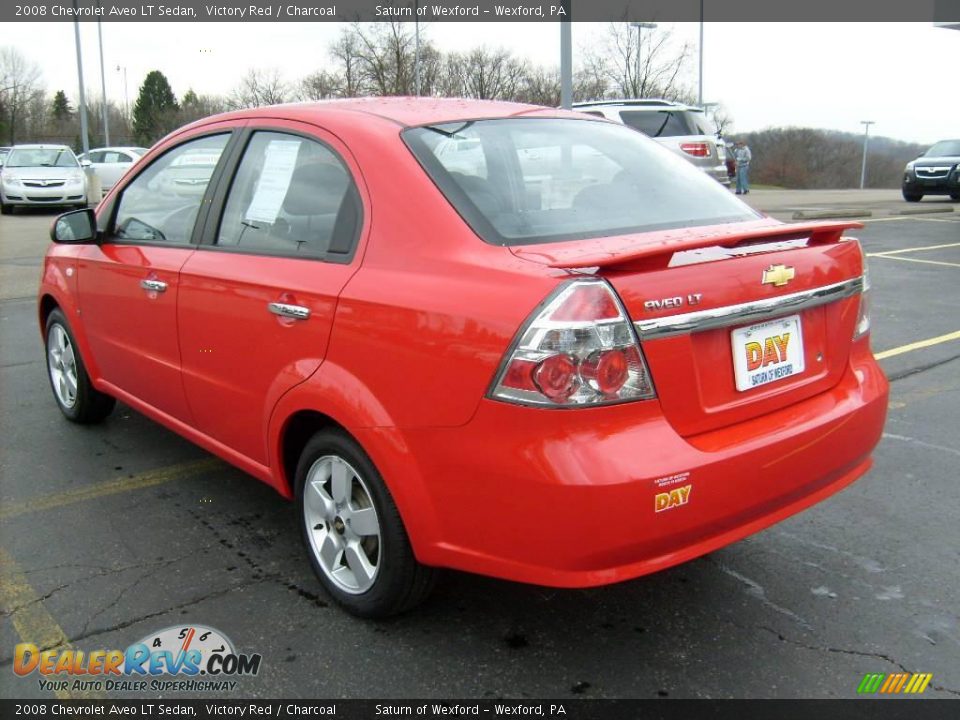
(77, 226)
(86, 163)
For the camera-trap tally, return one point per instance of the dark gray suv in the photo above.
(936, 172)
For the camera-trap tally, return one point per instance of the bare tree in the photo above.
(258, 88)
(321, 85)
(541, 86)
(485, 74)
(193, 106)
(345, 54)
(20, 90)
(721, 117)
(650, 69)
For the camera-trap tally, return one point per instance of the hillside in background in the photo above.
(811, 158)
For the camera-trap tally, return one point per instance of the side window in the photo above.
(113, 156)
(96, 157)
(162, 202)
(290, 196)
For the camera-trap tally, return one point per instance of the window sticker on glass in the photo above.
(279, 160)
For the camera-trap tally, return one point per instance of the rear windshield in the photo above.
(659, 123)
(945, 148)
(533, 180)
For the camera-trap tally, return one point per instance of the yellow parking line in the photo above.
(30, 618)
(917, 260)
(918, 345)
(915, 249)
(108, 487)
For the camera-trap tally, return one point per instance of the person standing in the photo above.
(742, 155)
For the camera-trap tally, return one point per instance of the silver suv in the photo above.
(682, 128)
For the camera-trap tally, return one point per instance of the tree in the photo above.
(19, 89)
(485, 74)
(193, 106)
(648, 70)
(321, 85)
(259, 88)
(60, 108)
(155, 112)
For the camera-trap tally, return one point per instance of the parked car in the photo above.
(476, 335)
(111, 163)
(41, 175)
(936, 172)
(684, 129)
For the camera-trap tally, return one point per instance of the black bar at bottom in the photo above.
(875, 708)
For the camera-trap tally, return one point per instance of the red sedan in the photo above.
(485, 336)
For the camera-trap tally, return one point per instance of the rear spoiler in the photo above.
(630, 248)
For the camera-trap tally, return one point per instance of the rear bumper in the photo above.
(569, 498)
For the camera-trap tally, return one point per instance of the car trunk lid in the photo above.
(735, 321)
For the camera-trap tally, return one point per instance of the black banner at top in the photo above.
(852, 11)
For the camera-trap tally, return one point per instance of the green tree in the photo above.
(155, 112)
(60, 108)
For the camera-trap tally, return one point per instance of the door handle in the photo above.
(153, 285)
(297, 312)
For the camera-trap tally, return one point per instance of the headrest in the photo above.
(316, 189)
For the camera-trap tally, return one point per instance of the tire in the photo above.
(72, 390)
(353, 533)
(955, 197)
(912, 197)
(6, 209)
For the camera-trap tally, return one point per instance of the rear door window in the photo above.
(290, 196)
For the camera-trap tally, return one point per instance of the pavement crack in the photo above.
(847, 651)
(920, 369)
(755, 589)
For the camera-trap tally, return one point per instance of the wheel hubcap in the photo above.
(62, 364)
(343, 526)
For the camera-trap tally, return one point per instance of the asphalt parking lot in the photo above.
(112, 532)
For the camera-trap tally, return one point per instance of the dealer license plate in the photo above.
(767, 352)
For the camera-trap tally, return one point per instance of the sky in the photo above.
(826, 75)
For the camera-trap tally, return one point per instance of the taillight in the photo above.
(579, 350)
(697, 149)
(863, 316)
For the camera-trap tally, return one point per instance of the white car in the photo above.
(110, 163)
(34, 175)
(684, 129)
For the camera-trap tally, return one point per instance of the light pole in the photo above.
(700, 88)
(566, 58)
(866, 141)
(83, 99)
(641, 26)
(416, 51)
(126, 95)
(103, 89)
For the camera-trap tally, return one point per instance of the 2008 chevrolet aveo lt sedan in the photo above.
(485, 336)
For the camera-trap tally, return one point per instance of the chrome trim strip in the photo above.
(757, 310)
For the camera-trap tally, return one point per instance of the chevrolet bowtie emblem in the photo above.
(778, 275)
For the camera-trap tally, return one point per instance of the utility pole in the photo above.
(126, 93)
(103, 88)
(866, 142)
(700, 91)
(416, 51)
(640, 26)
(83, 98)
(566, 59)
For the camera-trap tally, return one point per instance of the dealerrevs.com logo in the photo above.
(175, 659)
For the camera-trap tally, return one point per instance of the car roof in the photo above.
(115, 147)
(641, 104)
(41, 146)
(403, 111)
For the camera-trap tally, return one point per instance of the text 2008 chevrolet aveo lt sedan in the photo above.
(485, 336)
